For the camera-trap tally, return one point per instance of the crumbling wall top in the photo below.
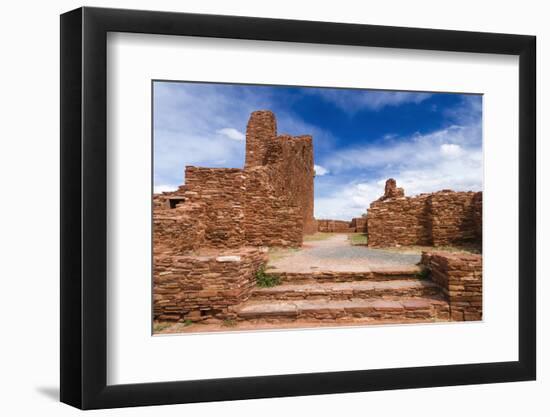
(391, 190)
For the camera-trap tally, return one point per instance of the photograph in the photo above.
(300, 207)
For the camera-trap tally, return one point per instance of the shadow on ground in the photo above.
(49, 392)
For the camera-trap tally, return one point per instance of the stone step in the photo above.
(348, 290)
(411, 272)
(380, 310)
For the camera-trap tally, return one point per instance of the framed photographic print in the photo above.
(257, 208)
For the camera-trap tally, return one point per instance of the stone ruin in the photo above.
(434, 219)
(391, 190)
(356, 225)
(267, 203)
(208, 236)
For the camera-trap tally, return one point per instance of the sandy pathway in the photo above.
(338, 255)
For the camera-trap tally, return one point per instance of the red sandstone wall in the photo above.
(477, 214)
(269, 203)
(334, 226)
(179, 230)
(359, 224)
(460, 276)
(291, 160)
(443, 218)
(270, 218)
(399, 221)
(198, 287)
(452, 217)
(221, 190)
(202, 232)
(261, 131)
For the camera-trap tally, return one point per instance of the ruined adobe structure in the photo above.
(210, 239)
(435, 219)
(267, 203)
(209, 234)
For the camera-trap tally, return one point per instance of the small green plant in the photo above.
(229, 323)
(265, 280)
(187, 322)
(424, 273)
(160, 326)
(318, 236)
(359, 239)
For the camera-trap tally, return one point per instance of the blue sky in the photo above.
(426, 141)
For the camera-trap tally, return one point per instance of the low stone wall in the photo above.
(400, 221)
(196, 287)
(359, 224)
(334, 226)
(460, 276)
(179, 230)
(436, 219)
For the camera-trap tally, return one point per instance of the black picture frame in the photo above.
(84, 207)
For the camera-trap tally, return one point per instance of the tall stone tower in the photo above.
(289, 159)
(261, 133)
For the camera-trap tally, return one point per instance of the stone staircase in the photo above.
(380, 296)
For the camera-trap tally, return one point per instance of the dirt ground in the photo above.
(336, 253)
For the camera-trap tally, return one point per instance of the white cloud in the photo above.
(449, 158)
(157, 189)
(192, 127)
(451, 150)
(320, 171)
(408, 152)
(349, 201)
(231, 133)
(354, 101)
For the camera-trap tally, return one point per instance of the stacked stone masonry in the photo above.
(196, 287)
(169, 224)
(230, 210)
(334, 226)
(356, 225)
(268, 203)
(359, 224)
(437, 219)
(460, 276)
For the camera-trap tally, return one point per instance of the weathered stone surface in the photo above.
(391, 190)
(268, 203)
(231, 214)
(437, 219)
(356, 225)
(181, 229)
(460, 276)
(334, 226)
(403, 311)
(348, 290)
(359, 224)
(210, 238)
(197, 287)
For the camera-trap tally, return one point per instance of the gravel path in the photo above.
(337, 254)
